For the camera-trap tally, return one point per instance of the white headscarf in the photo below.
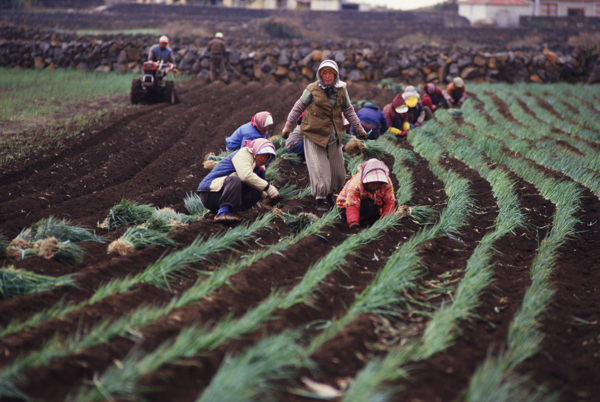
(337, 82)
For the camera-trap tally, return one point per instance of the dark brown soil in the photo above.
(154, 155)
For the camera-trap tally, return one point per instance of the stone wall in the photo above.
(294, 59)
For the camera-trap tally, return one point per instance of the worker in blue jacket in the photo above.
(372, 119)
(258, 127)
(162, 51)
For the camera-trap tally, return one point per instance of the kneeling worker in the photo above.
(368, 195)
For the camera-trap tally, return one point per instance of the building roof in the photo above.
(498, 2)
(519, 2)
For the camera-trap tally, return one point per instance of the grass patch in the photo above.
(41, 108)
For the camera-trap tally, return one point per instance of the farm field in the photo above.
(496, 298)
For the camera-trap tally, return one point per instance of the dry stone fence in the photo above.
(279, 45)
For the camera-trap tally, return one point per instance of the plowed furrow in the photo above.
(571, 323)
(452, 369)
(91, 177)
(567, 346)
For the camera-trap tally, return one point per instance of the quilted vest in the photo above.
(321, 117)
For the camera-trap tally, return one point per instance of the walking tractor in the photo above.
(153, 86)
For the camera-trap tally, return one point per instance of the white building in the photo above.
(505, 13)
(567, 8)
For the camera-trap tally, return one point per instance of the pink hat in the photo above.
(261, 121)
(375, 176)
(257, 145)
(374, 171)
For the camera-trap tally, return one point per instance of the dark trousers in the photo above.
(456, 95)
(235, 194)
(368, 213)
(217, 68)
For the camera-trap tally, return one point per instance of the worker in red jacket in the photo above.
(433, 97)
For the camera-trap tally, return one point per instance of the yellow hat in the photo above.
(411, 101)
(401, 109)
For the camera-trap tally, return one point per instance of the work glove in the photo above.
(417, 124)
(285, 133)
(395, 131)
(272, 192)
(362, 134)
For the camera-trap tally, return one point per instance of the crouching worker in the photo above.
(258, 127)
(373, 121)
(237, 182)
(294, 144)
(368, 195)
(396, 114)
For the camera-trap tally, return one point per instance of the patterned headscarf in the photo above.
(261, 120)
(374, 170)
(261, 144)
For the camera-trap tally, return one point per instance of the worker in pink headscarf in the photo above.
(238, 182)
(258, 127)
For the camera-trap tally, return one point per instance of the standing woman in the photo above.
(324, 101)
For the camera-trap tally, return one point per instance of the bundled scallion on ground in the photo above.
(52, 238)
(170, 217)
(194, 205)
(48, 248)
(299, 222)
(16, 282)
(62, 230)
(370, 149)
(64, 251)
(211, 159)
(354, 147)
(126, 213)
(153, 232)
(139, 237)
(19, 249)
(421, 214)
